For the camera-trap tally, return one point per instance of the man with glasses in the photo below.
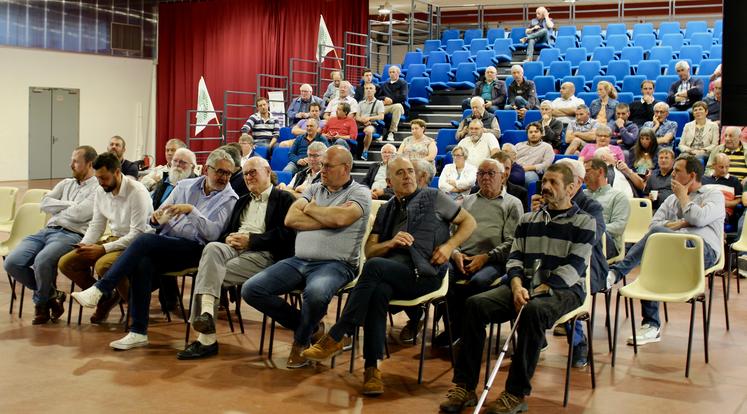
(182, 165)
(686, 90)
(664, 129)
(309, 175)
(256, 238)
(194, 214)
(331, 219)
(297, 157)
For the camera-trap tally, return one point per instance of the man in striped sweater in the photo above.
(561, 235)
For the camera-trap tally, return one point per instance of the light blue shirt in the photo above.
(209, 216)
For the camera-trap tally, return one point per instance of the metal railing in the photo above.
(208, 139)
(237, 107)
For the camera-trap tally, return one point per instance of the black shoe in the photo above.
(41, 314)
(410, 332)
(580, 353)
(442, 340)
(196, 350)
(204, 323)
(57, 305)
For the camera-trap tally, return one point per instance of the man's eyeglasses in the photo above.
(490, 174)
(250, 173)
(221, 173)
(326, 166)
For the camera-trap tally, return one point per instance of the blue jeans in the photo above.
(33, 262)
(650, 310)
(148, 256)
(540, 36)
(319, 279)
(530, 177)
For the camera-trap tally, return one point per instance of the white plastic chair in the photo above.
(34, 195)
(641, 214)
(7, 204)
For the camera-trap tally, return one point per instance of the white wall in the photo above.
(116, 96)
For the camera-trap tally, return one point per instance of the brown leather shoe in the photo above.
(41, 314)
(295, 360)
(325, 348)
(57, 306)
(373, 385)
(318, 334)
(104, 307)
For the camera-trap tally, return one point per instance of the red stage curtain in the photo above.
(229, 42)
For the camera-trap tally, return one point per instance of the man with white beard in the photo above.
(182, 166)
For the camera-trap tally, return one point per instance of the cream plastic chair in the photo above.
(739, 246)
(7, 204)
(641, 214)
(583, 312)
(29, 220)
(375, 206)
(670, 272)
(34, 195)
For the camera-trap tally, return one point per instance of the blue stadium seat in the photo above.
(440, 76)
(416, 70)
(695, 26)
(675, 40)
(587, 97)
(465, 76)
(718, 25)
(618, 42)
(633, 55)
(513, 136)
(563, 43)
(285, 134)
(385, 72)
(591, 42)
(705, 40)
(589, 70)
(715, 52)
(578, 81)
(591, 30)
(484, 59)
(495, 34)
(460, 56)
(619, 69)
(669, 28)
(681, 117)
(706, 82)
(615, 29)
(502, 50)
(643, 28)
(548, 56)
(566, 31)
(279, 158)
(516, 34)
(437, 56)
(603, 55)
(708, 66)
(651, 69)
(543, 85)
(284, 177)
(661, 53)
(434, 182)
(410, 59)
(472, 34)
(625, 97)
(559, 69)
(419, 91)
(465, 114)
(507, 119)
(444, 138)
(531, 115)
(692, 52)
(477, 44)
(595, 81)
(663, 83)
(454, 45)
(646, 41)
(632, 84)
(576, 55)
(533, 69)
(261, 151)
(430, 46)
(660, 96)
(447, 35)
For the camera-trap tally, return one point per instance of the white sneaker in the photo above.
(646, 335)
(131, 340)
(390, 136)
(89, 297)
(611, 279)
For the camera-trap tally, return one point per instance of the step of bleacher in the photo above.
(440, 108)
(439, 118)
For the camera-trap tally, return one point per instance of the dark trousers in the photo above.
(381, 281)
(497, 305)
(459, 293)
(148, 256)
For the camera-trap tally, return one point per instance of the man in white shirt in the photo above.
(564, 107)
(125, 205)
(33, 262)
(156, 175)
(345, 96)
(371, 111)
(480, 144)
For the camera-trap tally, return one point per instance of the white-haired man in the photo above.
(664, 129)
(182, 166)
(489, 121)
(522, 94)
(686, 90)
(157, 173)
(394, 94)
(492, 90)
(345, 96)
(299, 108)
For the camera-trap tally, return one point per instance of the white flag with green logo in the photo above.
(324, 43)
(204, 104)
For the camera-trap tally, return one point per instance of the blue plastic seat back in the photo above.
(430, 46)
(651, 69)
(576, 55)
(618, 42)
(591, 30)
(563, 43)
(548, 56)
(495, 34)
(704, 40)
(633, 54)
(415, 70)
(544, 84)
(632, 84)
(663, 83)
(454, 45)
(447, 35)
(566, 31)
(692, 52)
(438, 56)
(661, 53)
(643, 28)
(559, 69)
(589, 70)
(669, 28)
(471, 34)
(708, 66)
(619, 69)
(591, 42)
(603, 55)
(460, 56)
(646, 41)
(695, 26)
(410, 59)
(675, 40)
(533, 69)
(615, 29)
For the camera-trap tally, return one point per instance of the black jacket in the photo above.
(371, 176)
(497, 92)
(277, 238)
(396, 91)
(238, 184)
(129, 168)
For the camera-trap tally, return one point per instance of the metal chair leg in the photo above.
(705, 331)
(262, 335)
(570, 334)
(614, 337)
(20, 302)
(690, 338)
(422, 346)
(632, 326)
(12, 283)
(590, 329)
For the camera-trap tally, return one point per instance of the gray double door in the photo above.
(54, 127)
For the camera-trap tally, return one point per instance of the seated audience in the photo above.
(735, 149)
(539, 31)
(371, 111)
(418, 145)
(642, 110)
(315, 111)
(237, 176)
(346, 96)
(195, 214)
(457, 178)
(514, 189)
(424, 172)
(571, 235)
(394, 94)
(262, 126)
(480, 143)
(300, 108)
(663, 128)
(700, 136)
(602, 134)
(118, 147)
(691, 209)
(614, 203)
(331, 219)
(255, 238)
(686, 90)
(33, 263)
(156, 174)
(643, 157)
(522, 94)
(624, 132)
(491, 90)
(552, 128)
(729, 185)
(534, 155)
(603, 108)
(713, 101)
(309, 175)
(407, 256)
(124, 205)
(564, 107)
(580, 131)
(247, 148)
(366, 79)
(333, 89)
(656, 185)
(297, 157)
(376, 176)
(516, 172)
(341, 127)
(489, 121)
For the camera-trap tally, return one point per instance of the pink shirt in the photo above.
(589, 149)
